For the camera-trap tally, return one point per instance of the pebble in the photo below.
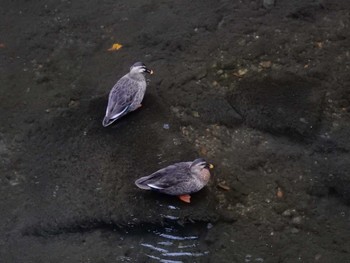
(296, 220)
(288, 212)
(175, 109)
(220, 72)
(166, 126)
(210, 226)
(303, 120)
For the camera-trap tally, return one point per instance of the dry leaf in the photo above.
(195, 114)
(223, 186)
(319, 44)
(115, 47)
(265, 64)
(241, 72)
(203, 150)
(279, 192)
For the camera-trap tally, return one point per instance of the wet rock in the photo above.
(96, 197)
(277, 103)
(216, 110)
(79, 176)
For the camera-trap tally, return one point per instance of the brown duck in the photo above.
(179, 179)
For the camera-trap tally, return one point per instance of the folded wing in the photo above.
(167, 177)
(120, 98)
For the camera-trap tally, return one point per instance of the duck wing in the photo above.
(167, 177)
(120, 98)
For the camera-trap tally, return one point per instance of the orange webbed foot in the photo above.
(185, 198)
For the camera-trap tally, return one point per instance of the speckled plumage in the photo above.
(177, 179)
(127, 94)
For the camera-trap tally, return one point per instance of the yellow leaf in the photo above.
(115, 47)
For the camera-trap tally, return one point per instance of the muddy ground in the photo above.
(261, 92)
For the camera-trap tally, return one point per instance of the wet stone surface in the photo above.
(258, 88)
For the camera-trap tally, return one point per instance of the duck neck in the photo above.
(205, 175)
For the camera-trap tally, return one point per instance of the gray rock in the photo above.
(276, 104)
(216, 110)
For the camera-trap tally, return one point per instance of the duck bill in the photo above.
(209, 166)
(149, 71)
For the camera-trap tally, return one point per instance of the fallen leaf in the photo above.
(203, 150)
(195, 114)
(223, 186)
(319, 44)
(265, 64)
(73, 103)
(241, 72)
(115, 47)
(279, 193)
(2, 45)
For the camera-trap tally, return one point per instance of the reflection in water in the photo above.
(174, 243)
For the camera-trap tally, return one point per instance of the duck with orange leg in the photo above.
(127, 94)
(179, 179)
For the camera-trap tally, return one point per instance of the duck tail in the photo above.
(106, 122)
(140, 183)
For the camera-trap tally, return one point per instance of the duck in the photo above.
(127, 94)
(179, 179)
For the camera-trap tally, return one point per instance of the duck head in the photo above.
(140, 68)
(199, 164)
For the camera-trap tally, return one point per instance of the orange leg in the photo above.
(185, 198)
